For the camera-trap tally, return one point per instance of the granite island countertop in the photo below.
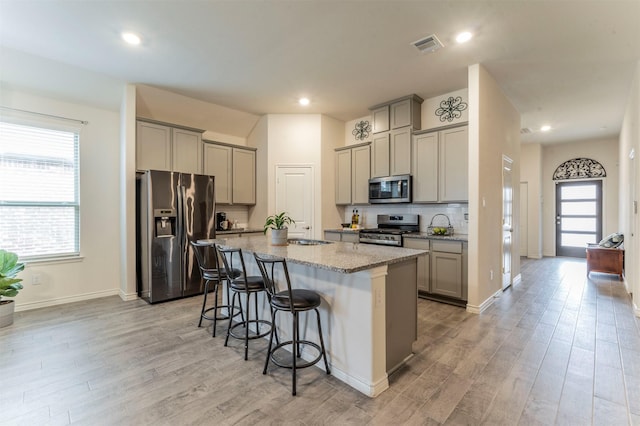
(337, 256)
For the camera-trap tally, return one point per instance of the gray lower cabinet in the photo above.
(446, 268)
(443, 272)
(446, 274)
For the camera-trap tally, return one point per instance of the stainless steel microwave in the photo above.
(391, 189)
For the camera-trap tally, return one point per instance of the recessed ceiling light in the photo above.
(545, 128)
(464, 37)
(131, 38)
(303, 101)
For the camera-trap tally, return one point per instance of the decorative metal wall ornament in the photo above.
(362, 130)
(451, 108)
(579, 168)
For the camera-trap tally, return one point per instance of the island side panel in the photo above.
(353, 317)
(401, 312)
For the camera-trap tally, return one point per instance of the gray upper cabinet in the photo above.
(360, 174)
(244, 176)
(187, 151)
(153, 146)
(234, 170)
(400, 152)
(454, 164)
(391, 153)
(403, 112)
(380, 155)
(218, 163)
(425, 168)
(440, 166)
(352, 174)
(380, 118)
(343, 176)
(164, 147)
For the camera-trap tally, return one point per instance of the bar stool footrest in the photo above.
(251, 336)
(222, 317)
(303, 363)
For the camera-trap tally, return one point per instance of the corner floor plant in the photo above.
(9, 268)
(9, 285)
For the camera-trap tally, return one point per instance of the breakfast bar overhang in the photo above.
(369, 303)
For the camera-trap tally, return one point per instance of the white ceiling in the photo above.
(565, 63)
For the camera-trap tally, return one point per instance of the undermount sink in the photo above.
(306, 242)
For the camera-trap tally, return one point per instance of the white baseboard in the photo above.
(127, 296)
(636, 309)
(473, 309)
(63, 300)
(517, 280)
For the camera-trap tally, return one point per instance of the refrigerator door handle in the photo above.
(181, 230)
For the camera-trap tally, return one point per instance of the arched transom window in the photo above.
(579, 168)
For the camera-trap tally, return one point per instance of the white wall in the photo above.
(221, 124)
(630, 188)
(331, 138)
(604, 151)
(98, 272)
(295, 139)
(531, 173)
(494, 131)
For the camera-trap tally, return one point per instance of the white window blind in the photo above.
(39, 188)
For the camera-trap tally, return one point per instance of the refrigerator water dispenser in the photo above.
(165, 222)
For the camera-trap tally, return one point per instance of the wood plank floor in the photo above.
(556, 349)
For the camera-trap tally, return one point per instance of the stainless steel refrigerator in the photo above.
(173, 209)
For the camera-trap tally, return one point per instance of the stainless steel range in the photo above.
(390, 229)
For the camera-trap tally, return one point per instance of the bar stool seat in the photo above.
(293, 301)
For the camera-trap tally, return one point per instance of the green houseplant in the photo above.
(278, 225)
(9, 285)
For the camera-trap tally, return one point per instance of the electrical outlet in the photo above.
(36, 279)
(491, 275)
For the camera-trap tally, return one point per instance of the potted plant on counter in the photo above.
(278, 225)
(9, 285)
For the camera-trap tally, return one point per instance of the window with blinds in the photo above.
(39, 189)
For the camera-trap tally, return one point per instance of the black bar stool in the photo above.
(293, 301)
(247, 285)
(211, 272)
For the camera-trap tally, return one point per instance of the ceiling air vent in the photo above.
(525, 131)
(428, 44)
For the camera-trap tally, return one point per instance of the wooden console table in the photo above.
(607, 260)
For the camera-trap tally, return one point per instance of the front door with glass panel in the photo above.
(578, 216)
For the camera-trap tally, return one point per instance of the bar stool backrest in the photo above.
(206, 257)
(271, 267)
(232, 257)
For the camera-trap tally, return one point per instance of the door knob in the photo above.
(307, 227)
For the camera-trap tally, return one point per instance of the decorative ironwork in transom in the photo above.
(579, 168)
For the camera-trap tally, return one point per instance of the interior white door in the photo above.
(524, 219)
(294, 195)
(507, 220)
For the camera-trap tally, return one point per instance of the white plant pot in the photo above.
(279, 237)
(6, 313)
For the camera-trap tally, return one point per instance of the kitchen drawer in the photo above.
(446, 246)
(416, 243)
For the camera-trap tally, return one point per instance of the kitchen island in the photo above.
(369, 303)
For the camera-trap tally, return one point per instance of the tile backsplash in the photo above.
(457, 214)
